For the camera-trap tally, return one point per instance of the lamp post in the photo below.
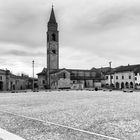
(33, 73)
(110, 73)
(7, 79)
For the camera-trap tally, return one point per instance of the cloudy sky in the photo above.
(92, 33)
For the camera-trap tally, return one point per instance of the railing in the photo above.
(82, 77)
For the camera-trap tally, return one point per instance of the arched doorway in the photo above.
(122, 85)
(85, 84)
(1, 85)
(131, 84)
(127, 85)
(14, 87)
(117, 85)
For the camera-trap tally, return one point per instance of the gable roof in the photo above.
(43, 72)
(134, 68)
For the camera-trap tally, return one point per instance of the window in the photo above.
(73, 74)
(43, 81)
(135, 78)
(136, 74)
(93, 73)
(106, 77)
(122, 77)
(64, 75)
(80, 73)
(16, 82)
(0, 77)
(53, 37)
(116, 77)
(129, 77)
(111, 77)
(54, 51)
(87, 74)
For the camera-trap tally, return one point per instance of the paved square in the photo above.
(114, 114)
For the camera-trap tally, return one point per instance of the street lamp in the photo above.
(33, 73)
(110, 73)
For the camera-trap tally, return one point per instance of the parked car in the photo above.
(127, 90)
(106, 89)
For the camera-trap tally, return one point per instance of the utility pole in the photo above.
(6, 79)
(110, 73)
(33, 73)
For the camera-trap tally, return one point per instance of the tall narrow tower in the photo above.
(52, 43)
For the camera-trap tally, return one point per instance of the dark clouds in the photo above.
(23, 23)
(89, 30)
(109, 19)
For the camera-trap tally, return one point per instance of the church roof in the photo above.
(52, 19)
(58, 70)
(70, 70)
(43, 72)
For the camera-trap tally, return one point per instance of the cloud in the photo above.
(109, 19)
(23, 23)
(110, 33)
(21, 53)
(91, 32)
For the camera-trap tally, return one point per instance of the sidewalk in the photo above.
(5, 135)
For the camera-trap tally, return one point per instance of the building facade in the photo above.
(4, 79)
(70, 79)
(124, 77)
(11, 82)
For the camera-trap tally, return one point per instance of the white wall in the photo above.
(126, 78)
(107, 81)
(138, 78)
(120, 80)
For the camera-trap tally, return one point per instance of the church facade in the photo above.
(53, 77)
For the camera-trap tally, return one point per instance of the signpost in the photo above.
(33, 73)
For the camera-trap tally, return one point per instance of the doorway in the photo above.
(1, 85)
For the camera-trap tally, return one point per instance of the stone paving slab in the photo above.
(36, 130)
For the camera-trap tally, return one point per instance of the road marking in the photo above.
(5, 135)
(67, 127)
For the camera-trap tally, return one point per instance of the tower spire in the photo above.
(52, 16)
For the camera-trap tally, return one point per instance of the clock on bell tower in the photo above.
(52, 43)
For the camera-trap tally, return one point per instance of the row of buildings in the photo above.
(11, 82)
(124, 77)
(118, 78)
(55, 78)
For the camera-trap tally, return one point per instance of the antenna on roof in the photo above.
(52, 4)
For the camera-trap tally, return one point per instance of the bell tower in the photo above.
(52, 43)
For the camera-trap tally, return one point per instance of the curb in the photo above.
(5, 135)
